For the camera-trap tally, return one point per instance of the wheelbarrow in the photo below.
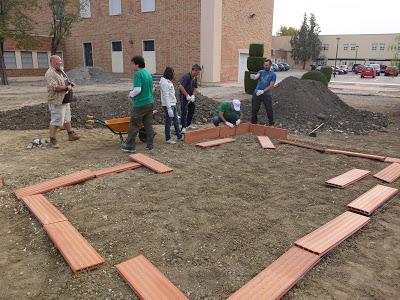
(119, 126)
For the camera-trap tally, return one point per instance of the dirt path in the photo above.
(220, 218)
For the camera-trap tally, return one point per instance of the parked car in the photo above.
(275, 67)
(368, 71)
(377, 68)
(353, 69)
(392, 71)
(287, 67)
(336, 70)
(359, 68)
(281, 67)
(345, 68)
(383, 68)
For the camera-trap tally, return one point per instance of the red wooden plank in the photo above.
(265, 142)
(257, 129)
(52, 184)
(279, 277)
(201, 134)
(356, 154)
(150, 163)
(43, 210)
(215, 143)
(242, 128)
(301, 145)
(147, 281)
(274, 132)
(347, 178)
(117, 169)
(392, 160)
(75, 249)
(390, 173)
(226, 131)
(370, 201)
(332, 233)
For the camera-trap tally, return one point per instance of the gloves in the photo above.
(131, 94)
(192, 98)
(253, 76)
(189, 98)
(238, 122)
(259, 92)
(229, 124)
(170, 112)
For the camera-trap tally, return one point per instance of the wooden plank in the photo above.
(201, 134)
(75, 249)
(392, 160)
(226, 131)
(43, 210)
(274, 132)
(347, 178)
(147, 281)
(328, 236)
(257, 129)
(242, 128)
(52, 184)
(150, 163)
(117, 169)
(370, 201)
(279, 277)
(389, 174)
(215, 143)
(302, 145)
(356, 154)
(265, 142)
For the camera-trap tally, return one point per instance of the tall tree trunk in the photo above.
(3, 71)
(304, 65)
(54, 46)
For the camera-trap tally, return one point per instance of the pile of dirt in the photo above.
(90, 75)
(299, 106)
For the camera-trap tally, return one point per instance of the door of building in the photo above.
(117, 59)
(149, 55)
(88, 55)
(242, 65)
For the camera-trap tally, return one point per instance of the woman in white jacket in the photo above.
(168, 102)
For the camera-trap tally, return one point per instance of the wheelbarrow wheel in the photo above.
(142, 135)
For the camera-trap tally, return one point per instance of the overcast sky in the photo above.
(340, 16)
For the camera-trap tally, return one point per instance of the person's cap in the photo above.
(236, 104)
(196, 67)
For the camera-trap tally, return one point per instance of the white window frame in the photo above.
(149, 40)
(85, 11)
(115, 7)
(22, 60)
(117, 41)
(374, 46)
(47, 56)
(148, 6)
(15, 61)
(353, 47)
(382, 46)
(345, 47)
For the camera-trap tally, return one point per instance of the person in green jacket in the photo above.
(228, 112)
(142, 106)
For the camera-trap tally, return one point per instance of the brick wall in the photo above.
(239, 30)
(175, 27)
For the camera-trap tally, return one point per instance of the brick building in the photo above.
(177, 33)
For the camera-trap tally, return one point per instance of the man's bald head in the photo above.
(56, 62)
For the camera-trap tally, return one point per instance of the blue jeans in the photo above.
(168, 122)
(216, 120)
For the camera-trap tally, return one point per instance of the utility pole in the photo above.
(337, 48)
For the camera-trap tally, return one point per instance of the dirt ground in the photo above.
(220, 218)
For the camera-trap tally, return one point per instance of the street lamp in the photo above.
(337, 48)
(356, 54)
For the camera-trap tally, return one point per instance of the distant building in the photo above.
(351, 49)
(214, 33)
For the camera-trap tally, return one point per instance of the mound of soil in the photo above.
(299, 106)
(90, 75)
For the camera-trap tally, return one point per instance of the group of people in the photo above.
(60, 90)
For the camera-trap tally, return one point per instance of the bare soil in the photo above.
(220, 218)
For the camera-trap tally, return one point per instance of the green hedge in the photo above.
(255, 64)
(249, 84)
(315, 75)
(327, 71)
(256, 50)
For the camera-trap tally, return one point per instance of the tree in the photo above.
(65, 13)
(286, 31)
(14, 25)
(395, 48)
(306, 43)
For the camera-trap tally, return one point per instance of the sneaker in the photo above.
(183, 130)
(126, 148)
(149, 147)
(53, 143)
(181, 139)
(171, 142)
(72, 136)
(191, 127)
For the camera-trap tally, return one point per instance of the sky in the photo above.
(340, 16)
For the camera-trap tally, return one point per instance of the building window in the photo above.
(353, 47)
(148, 5)
(9, 60)
(324, 47)
(345, 47)
(115, 7)
(148, 45)
(26, 59)
(116, 46)
(85, 9)
(43, 60)
(374, 46)
(382, 47)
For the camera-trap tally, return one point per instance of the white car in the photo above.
(344, 68)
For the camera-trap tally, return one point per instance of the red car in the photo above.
(359, 68)
(391, 71)
(368, 72)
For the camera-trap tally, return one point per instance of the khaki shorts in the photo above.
(60, 114)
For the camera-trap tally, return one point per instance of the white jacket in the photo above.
(167, 90)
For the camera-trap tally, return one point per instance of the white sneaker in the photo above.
(183, 130)
(171, 142)
(191, 127)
